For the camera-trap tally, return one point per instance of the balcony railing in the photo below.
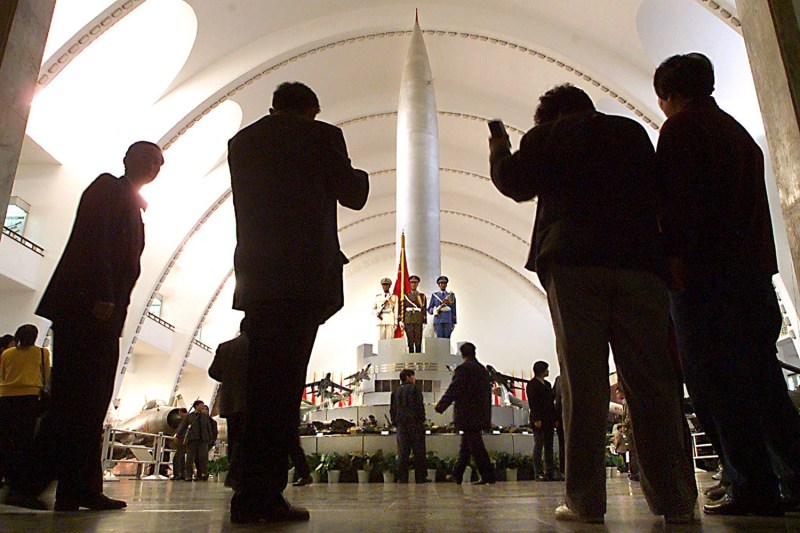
(161, 321)
(23, 241)
(204, 346)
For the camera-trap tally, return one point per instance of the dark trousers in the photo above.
(411, 440)
(298, 456)
(543, 442)
(472, 445)
(726, 326)
(414, 337)
(281, 340)
(235, 423)
(592, 308)
(69, 443)
(561, 454)
(18, 416)
(179, 461)
(196, 455)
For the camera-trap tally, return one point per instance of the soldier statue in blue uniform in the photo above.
(443, 308)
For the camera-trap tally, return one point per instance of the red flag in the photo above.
(401, 286)
(313, 395)
(496, 397)
(341, 404)
(524, 394)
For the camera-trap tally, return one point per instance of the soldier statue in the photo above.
(414, 316)
(443, 309)
(386, 310)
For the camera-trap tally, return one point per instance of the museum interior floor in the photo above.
(167, 506)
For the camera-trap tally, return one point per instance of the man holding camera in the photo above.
(595, 250)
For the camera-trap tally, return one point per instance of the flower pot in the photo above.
(363, 476)
(222, 476)
(388, 477)
(290, 476)
(610, 471)
(432, 475)
(467, 474)
(315, 476)
(511, 474)
(333, 476)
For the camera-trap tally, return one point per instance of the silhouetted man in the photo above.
(471, 392)
(543, 417)
(721, 249)
(407, 412)
(87, 300)
(595, 250)
(288, 174)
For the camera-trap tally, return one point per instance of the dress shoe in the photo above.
(188, 479)
(99, 502)
(730, 506)
(27, 501)
(484, 482)
(303, 481)
(565, 514)
(453, 479)
(280, 511)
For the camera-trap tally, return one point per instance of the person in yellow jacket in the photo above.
(24, 370)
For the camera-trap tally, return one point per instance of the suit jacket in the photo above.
(197, 427)
(288, 174)
(594, 177)
(420, 301)
(101, 259)
(471, 392)
(443, 317)
(711, 177)
(230, 369)
(407, 407)
(541, 399)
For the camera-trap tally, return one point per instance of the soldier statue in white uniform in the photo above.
(386, 310)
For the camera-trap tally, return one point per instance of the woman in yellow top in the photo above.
(23, 370)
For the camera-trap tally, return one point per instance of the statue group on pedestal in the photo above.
(413, 315)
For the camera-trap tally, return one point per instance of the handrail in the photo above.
(160, 321)
(203, 345)
(23, 241)
(790, 368)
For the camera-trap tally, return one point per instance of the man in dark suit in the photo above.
(596, 251)
(543, 417)
(87, 300)
(289, 173)
(407, 412)
(414, 316)
(722, 258)
(471, 392)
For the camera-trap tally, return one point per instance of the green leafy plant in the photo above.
(390, 463)
(433, 461)
(331, 461)
(223, 463)
(361, 461)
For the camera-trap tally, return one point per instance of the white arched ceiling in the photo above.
(191, 72)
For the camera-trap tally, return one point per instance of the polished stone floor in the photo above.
(166, 506)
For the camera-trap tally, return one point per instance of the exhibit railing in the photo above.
(23, 241)
(141, 455)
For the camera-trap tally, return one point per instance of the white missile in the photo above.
(418, 165)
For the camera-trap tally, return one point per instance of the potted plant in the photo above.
(223, 465)
(513, 463)
(314, 461)
(331, 464)
(434, 465)
(362, 465)
(389, 467)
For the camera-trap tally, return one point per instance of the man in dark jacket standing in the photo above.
(543, 417)
(198, 432)
(595, 250)
(289, 173)
(471, 392)
(721, 249)
(407, 412)
(87, 300)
